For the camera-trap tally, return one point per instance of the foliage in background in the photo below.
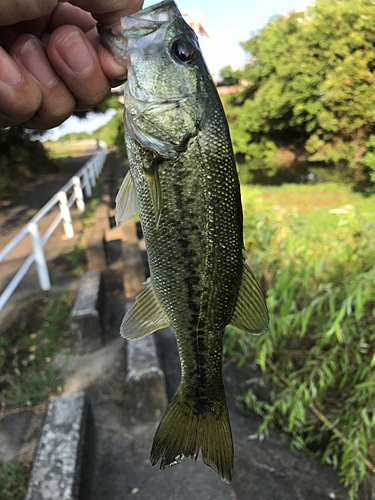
(75, 136)
(321, 338)
(113, 131)
(22, 159)
(228, 77)
(369, 158)
(308, 91)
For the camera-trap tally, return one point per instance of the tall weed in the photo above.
(320, 344)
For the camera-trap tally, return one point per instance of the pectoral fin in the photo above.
(155, 192)
(250, 313)
(145, 316)
(126, 200)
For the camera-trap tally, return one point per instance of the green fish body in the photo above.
(184, 182)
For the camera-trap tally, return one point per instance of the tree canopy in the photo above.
(308, 91)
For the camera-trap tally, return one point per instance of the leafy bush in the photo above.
(369, 157)
(319, 349)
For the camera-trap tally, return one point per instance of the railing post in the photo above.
(102, 156)
(78, 193)
(87, 183)
(40, 261)
(92, 174)
(65, 214)
(95, 167)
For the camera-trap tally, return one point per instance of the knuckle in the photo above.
(55, 109)
(21, 108)
(94, 98)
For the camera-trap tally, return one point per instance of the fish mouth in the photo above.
(143, 22)
(121, 37)
(156, 15)
(158, 7)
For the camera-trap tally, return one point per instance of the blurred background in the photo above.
(297, 84)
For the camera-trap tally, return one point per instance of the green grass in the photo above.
(13, 481)
(25, 355)
(310, 203)
(318, 270)
(59, 150)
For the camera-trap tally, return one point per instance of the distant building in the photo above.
(300, 6)
(207, 40)
(232, 89)
(195, 20)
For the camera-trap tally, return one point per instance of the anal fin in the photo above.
(250, 313)
(145, 316)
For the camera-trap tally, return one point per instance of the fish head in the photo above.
(163, 97)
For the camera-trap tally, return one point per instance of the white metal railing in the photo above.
(84, 180)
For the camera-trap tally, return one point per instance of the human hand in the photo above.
(51, 59)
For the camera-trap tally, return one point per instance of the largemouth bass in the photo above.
(184, 182)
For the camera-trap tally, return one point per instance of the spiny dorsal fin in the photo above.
(126, 200)
(250, 313)
(145, 315)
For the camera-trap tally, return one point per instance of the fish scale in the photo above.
(184, 182)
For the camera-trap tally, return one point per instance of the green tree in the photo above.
(311, 87)
(228, 76)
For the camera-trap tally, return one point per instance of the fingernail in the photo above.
(9, 72)
(36, 62)
(76, 54)
(118, 72)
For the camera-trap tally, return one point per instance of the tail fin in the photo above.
(182, 433)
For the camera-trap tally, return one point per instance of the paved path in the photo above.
(15, 215)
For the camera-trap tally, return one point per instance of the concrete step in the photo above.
(85, 319)
(63, 464)
(146, 398)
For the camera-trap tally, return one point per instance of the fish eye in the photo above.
(183, 49)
